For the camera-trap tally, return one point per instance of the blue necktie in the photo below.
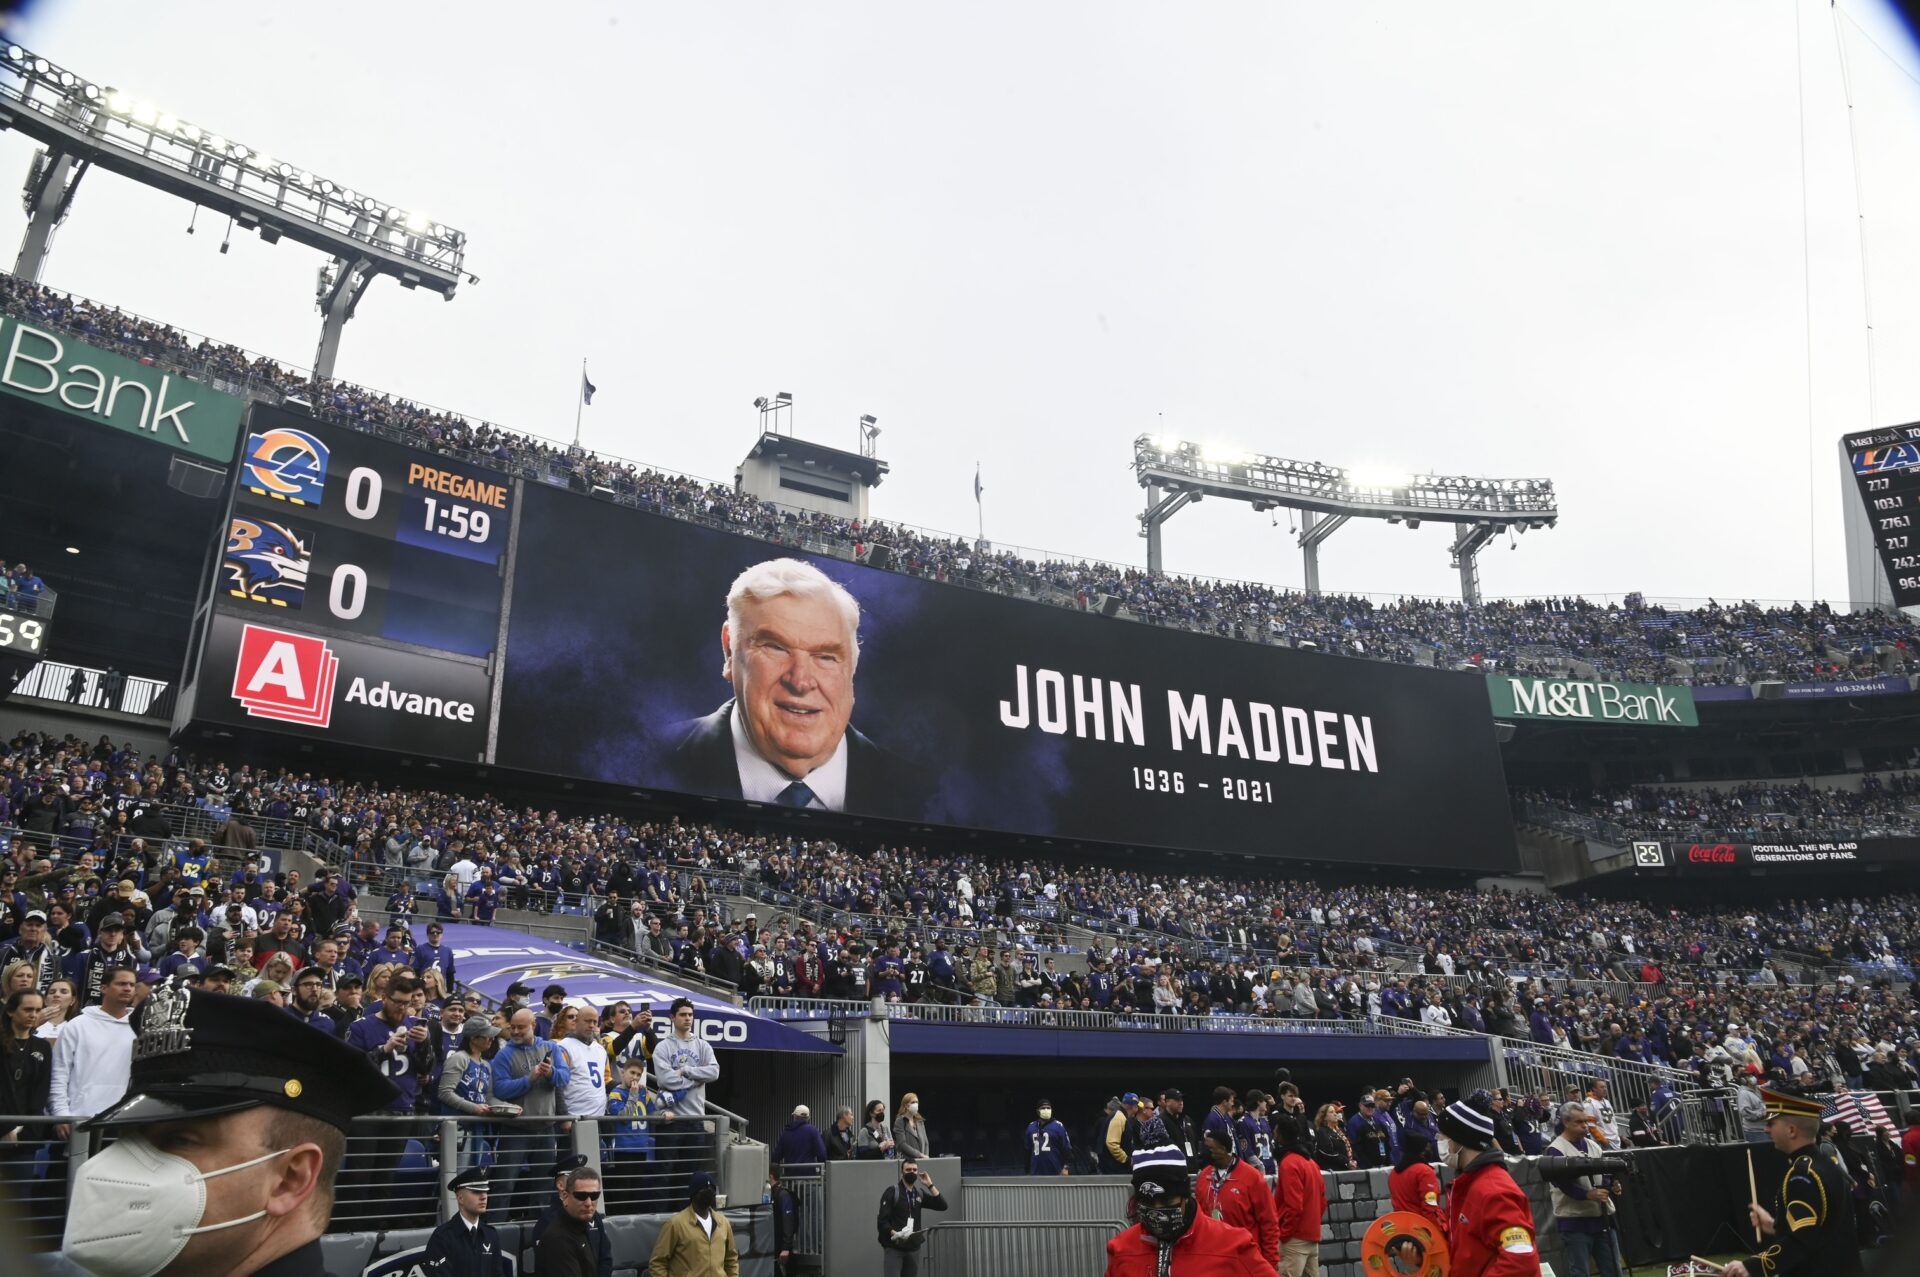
(796, 795)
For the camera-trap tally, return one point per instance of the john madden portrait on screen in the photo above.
(790, 648)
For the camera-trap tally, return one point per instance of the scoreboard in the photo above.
(1886, 470)
(338, 530)
(358, 592)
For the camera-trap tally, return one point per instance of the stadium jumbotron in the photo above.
(469, 850)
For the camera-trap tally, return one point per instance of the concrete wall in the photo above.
(147, 735)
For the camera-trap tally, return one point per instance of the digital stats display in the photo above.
(1886, 470)
(337, 529)
(948, 706)
(358, 592)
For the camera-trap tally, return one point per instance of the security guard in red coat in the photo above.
(1489, 1220)
(1174, 1238)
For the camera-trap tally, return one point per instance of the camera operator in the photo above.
(1583, 1205)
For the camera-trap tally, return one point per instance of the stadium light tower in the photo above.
(81, 124)
(1176, 472)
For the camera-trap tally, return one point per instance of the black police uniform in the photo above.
(1813, 1233)
(457, 1249)
(198, 1055)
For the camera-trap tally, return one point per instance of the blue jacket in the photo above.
(511, 1084)
(799, 1144)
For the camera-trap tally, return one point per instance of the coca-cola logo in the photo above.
(1718, 853)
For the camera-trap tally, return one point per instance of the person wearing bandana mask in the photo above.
(1234, 1190)
(230, 1135)
(1491, 1230)
(1173, 1237)
(901, 1234)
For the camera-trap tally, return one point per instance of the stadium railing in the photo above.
(989, 1246)
(33, 1176)
(52, 681)
(1043, 1018)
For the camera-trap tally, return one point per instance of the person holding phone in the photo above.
(901, 1235)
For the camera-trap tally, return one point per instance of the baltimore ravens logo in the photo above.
(267, 562)
(287, 465)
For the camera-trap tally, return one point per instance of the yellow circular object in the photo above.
(293, 1088)
(1404, 1244)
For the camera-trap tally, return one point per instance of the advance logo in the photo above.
(288, 677)
(1586, 701)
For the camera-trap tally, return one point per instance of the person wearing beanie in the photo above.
(1299, 1199)
(1492, 1230)
(1413, 1185)
(1172, 1236)
(1231, 1189)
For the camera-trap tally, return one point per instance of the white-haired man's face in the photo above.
(791, 666)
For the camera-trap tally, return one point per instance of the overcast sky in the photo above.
(1500, 239)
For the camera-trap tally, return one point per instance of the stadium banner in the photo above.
(1573, 700)
(488, 960)
(1723, 692)
(1703, 858)
(260, 676)
(1886, 685)
(969, 709)
(71, 377)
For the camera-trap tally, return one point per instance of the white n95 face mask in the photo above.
(134, 1208)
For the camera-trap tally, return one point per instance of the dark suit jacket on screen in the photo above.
(879, 781)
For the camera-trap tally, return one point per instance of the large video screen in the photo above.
(1886, 472)
(830, 685)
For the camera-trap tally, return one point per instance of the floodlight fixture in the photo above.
(783, 399)
(81, 125)
(1176, 472)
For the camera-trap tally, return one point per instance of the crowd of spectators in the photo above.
(1759, 811)
(1631, 640)
(1643, 984)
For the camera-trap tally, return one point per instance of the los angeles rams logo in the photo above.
(267, 562)
(287, 465)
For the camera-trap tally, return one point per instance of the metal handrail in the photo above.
(1042, 1018)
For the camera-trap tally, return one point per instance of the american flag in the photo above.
(1860, 1110)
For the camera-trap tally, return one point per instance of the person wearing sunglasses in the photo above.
(576, 1245)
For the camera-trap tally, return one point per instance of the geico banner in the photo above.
(277, 679)
(1732, 857)
(884, 694)
(490, 960)
(1575, 700)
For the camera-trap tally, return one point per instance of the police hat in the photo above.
(572, 1162)
(473, 1179)
(198, 1054)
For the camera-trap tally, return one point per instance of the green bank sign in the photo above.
(1573, 700)
(112, 390)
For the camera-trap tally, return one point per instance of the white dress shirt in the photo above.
(762, 782)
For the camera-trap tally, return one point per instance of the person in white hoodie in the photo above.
(94, 1053)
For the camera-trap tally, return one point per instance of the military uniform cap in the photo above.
(199, 1054)
(1789, 1104)
(473, 1179)
(573, 1162)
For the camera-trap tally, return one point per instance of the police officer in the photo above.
(466, 1245)
(1810, 1224)
(231, 1133)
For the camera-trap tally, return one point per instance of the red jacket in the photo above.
(1299, 1197)
(1491, 1228)
(1910, 1154)
(1210, 1248)
(1417, 1189)
(1244, 1203)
